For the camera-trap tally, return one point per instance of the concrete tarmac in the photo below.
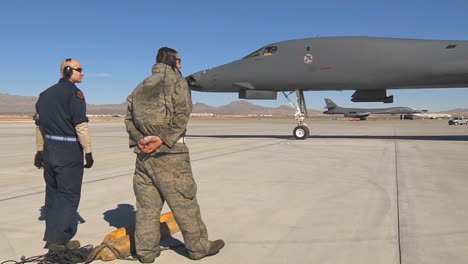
(385, 191)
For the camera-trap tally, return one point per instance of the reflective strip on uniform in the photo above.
(60, 138)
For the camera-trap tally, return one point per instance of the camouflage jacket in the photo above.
(159, 106)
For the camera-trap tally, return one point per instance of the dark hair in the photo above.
(163, 52)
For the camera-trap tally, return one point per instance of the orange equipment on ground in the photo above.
(119, 243)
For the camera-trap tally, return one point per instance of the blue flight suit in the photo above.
(59, 109)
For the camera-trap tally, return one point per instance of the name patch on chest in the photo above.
(79, 94)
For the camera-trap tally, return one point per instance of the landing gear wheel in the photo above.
(301, 132)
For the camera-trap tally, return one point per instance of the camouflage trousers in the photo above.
(167, 177)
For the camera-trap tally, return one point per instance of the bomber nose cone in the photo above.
(193, 81)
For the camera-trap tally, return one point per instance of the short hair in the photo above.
(161, 57)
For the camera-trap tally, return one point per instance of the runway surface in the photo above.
(385, 191)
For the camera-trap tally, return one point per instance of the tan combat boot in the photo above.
(72, 244)
(215, 247)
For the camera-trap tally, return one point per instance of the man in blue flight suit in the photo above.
(61, 137)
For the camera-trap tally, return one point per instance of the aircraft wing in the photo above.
(366, 114)
(357, 114)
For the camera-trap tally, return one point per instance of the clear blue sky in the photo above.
(116, 40)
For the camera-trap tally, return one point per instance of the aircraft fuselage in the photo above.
(342, 63)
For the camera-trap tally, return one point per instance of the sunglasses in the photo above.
(78, 69)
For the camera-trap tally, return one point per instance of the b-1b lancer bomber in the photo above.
(362, 113)
(368, 65)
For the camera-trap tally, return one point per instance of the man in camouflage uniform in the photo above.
(157, 115)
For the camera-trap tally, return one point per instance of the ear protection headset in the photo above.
(170, 60)
(67, 70)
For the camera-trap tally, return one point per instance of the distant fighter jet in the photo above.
(362, 113)
(369, 65)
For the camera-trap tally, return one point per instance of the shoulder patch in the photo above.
(79, 94)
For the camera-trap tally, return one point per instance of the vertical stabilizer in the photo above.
(330, 104)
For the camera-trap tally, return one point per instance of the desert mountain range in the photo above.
(16, 104)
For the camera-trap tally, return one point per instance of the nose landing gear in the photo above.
(301, 131)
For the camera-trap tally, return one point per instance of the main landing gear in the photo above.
(301, 131)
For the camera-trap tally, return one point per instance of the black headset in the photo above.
(171, 60)
(67, 70)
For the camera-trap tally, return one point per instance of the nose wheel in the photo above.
(301, 131)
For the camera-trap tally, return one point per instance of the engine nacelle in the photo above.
(257, 94)
(371, 96)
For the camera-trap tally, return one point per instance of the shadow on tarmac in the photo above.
(433, 137)
(122, 216)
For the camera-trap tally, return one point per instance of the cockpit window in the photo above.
(253, 54)
(269, 51)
